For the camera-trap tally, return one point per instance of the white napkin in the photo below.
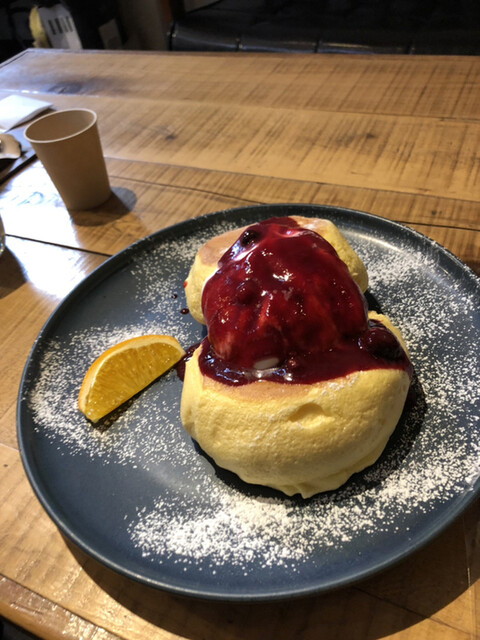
(17, 109)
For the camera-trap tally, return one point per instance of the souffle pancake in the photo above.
(207, 257)
(297, 385)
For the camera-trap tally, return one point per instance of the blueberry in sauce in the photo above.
(249, 236)
(380, 342)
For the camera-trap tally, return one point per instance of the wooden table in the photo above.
(188, 134)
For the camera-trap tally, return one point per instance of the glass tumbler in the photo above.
(2, 237)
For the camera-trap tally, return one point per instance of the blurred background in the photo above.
(438, 27)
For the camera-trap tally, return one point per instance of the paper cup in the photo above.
(68, 145)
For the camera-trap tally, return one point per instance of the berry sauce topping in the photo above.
(282, 306)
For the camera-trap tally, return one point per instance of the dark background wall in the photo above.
(363, 26)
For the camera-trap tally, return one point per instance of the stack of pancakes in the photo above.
(297, 438)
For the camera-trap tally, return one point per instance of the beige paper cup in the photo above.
(68, 145)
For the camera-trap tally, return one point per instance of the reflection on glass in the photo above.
(2, 237)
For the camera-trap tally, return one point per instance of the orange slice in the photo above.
(123, 370)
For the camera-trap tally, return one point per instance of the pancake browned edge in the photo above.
(297, 438)
(207, 257)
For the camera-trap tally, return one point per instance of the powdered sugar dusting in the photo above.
(204, 519)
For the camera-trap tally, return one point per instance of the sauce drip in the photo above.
(282, 306)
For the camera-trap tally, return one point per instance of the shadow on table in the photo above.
(396, 599)
(11, 273)
(120, 202)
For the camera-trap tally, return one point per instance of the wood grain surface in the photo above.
(189, 134)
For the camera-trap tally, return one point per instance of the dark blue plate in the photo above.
(138, 495)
